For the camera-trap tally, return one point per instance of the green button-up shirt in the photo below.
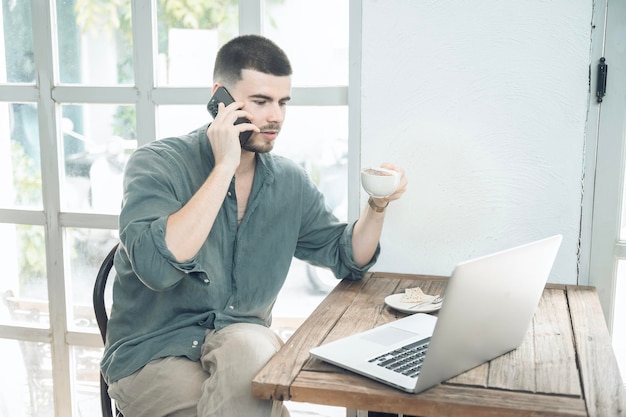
(162, 307)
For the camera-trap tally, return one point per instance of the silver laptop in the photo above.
(488, 306)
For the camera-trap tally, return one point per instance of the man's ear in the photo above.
(215, 87)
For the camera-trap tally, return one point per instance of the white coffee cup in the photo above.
(380, 182)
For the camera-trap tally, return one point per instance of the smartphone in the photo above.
(223, 96)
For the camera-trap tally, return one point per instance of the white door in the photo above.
(607, 267)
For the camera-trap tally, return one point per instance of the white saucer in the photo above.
(395, 301)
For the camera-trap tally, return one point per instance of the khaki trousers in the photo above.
(217, 386)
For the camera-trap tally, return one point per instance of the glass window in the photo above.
(20, 168)
(86, 380)
(97, 141)
(323, 151)
(619, 330)
(622, 232)
(24, 287)
(95, 42)
(87, 250)
(315, 36)
(17, 60)
(189, 36)
(26, 379)
(181, 119)
(94, 45)
(619, 323)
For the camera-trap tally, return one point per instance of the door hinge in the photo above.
(601, 86)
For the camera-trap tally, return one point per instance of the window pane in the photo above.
(95, 42)
(87, 249)
(619, 313)
(97, 141)
(619, 321)
(622, 234)
(179, 120)
(189, 35)
(17, 63)
(20, 169)
(323, 151)
(314, 34)
(86, 380)
(26, 379)
(23, 286)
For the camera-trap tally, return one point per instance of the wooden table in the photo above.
(565, 367)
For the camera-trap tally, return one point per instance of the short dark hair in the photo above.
(249, 52)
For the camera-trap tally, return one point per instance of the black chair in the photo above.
(102, 318)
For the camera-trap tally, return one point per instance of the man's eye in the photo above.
(259, 102)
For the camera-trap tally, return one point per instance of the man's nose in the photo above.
(276, 113)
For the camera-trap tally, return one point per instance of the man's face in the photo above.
(265, 97)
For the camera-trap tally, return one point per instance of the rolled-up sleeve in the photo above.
(149, 201)
(324, 240)
(347, 255)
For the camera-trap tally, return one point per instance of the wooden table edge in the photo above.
(476, 401)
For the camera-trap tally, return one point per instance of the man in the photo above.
(208, 230)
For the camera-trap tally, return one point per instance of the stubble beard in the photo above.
(258, 144)
(253, 146)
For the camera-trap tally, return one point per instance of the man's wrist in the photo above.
(376, 207)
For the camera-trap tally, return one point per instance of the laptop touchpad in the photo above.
(388, 335)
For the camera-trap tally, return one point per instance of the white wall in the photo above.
(484, 104)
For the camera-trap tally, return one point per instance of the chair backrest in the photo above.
(102, 318)
(98, 292)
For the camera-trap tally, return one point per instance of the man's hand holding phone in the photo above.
(222, 95)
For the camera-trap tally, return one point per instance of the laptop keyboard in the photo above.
(406, 360)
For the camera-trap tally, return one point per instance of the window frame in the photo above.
(146, 95)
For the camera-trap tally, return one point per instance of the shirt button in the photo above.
(229, 194)
(206, 280)
(195, 343)
(231, 307)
